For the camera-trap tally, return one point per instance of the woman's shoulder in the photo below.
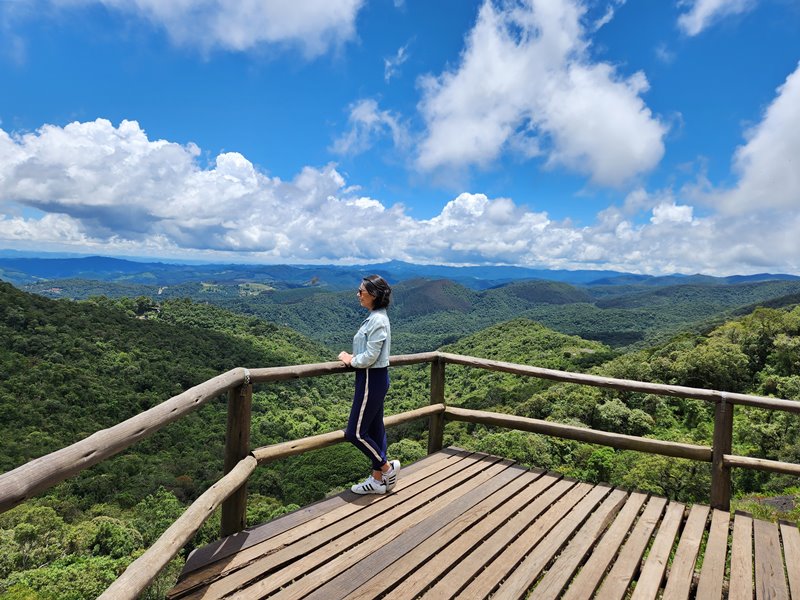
(379, 315)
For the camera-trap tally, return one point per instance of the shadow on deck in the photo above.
(467, 525)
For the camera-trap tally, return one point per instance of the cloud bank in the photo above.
(111, 189)
(524, 84)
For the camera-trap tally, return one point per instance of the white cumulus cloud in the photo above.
(768, 164)
(525, 82)
(671, 213)
(107, 189)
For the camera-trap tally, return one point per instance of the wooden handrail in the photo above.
(315, 442)
(43, 473)
(762, 464)
(628, 385)
(581, 434)
(265, 374)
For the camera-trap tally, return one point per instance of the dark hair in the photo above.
(377, 287)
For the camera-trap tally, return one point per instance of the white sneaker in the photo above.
(369, 486)
(390, 477)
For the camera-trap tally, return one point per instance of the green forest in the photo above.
(431, 313)
(70, 368)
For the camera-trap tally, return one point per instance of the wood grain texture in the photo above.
(770, 576)
(587, 581)
(712, 575)
(625, 567)
(679, 583)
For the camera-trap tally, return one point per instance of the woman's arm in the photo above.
(375, 339)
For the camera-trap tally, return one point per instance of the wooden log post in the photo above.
(237, 447)
(722, 444)
(436, 422)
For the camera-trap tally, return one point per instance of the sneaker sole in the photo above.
(362, 491)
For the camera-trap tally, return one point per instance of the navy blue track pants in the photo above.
(365, 425)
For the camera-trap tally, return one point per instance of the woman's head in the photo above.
(378, 289)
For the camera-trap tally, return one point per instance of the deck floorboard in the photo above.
(469, 525)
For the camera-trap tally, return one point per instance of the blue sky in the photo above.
(652, 137)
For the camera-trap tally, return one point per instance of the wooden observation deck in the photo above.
(458, 524)
(466, 525)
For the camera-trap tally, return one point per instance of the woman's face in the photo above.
(364, 298)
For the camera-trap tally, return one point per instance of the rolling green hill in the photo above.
(70, 368)
(428, 313)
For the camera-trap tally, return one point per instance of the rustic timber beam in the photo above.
(581, 434)
(315, 442)
(237, 446)
(43, 473)
(436, 423)
(266, 374)
(722, 443)
(141, 572)
(628, 385)
(761, 464)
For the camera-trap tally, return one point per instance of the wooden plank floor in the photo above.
(467, 525)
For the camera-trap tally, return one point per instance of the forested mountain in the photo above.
(70, 368)
(24, 270)
(428, 313)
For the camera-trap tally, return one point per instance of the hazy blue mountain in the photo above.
(432, 305)
(677, 279)
(21, 270)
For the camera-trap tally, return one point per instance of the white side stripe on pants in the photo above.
(361, 416)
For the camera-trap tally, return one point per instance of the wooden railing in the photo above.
(230, 492)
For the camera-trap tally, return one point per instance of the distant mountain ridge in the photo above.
(28, 270)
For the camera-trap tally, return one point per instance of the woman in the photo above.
(370, 358)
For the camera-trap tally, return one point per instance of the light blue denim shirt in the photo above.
(372, 342)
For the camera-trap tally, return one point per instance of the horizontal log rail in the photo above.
(626, 385)
(291, 448)
(762, 464)
(581, 434)
(267, 374)
(616, 440)
(43, 473)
